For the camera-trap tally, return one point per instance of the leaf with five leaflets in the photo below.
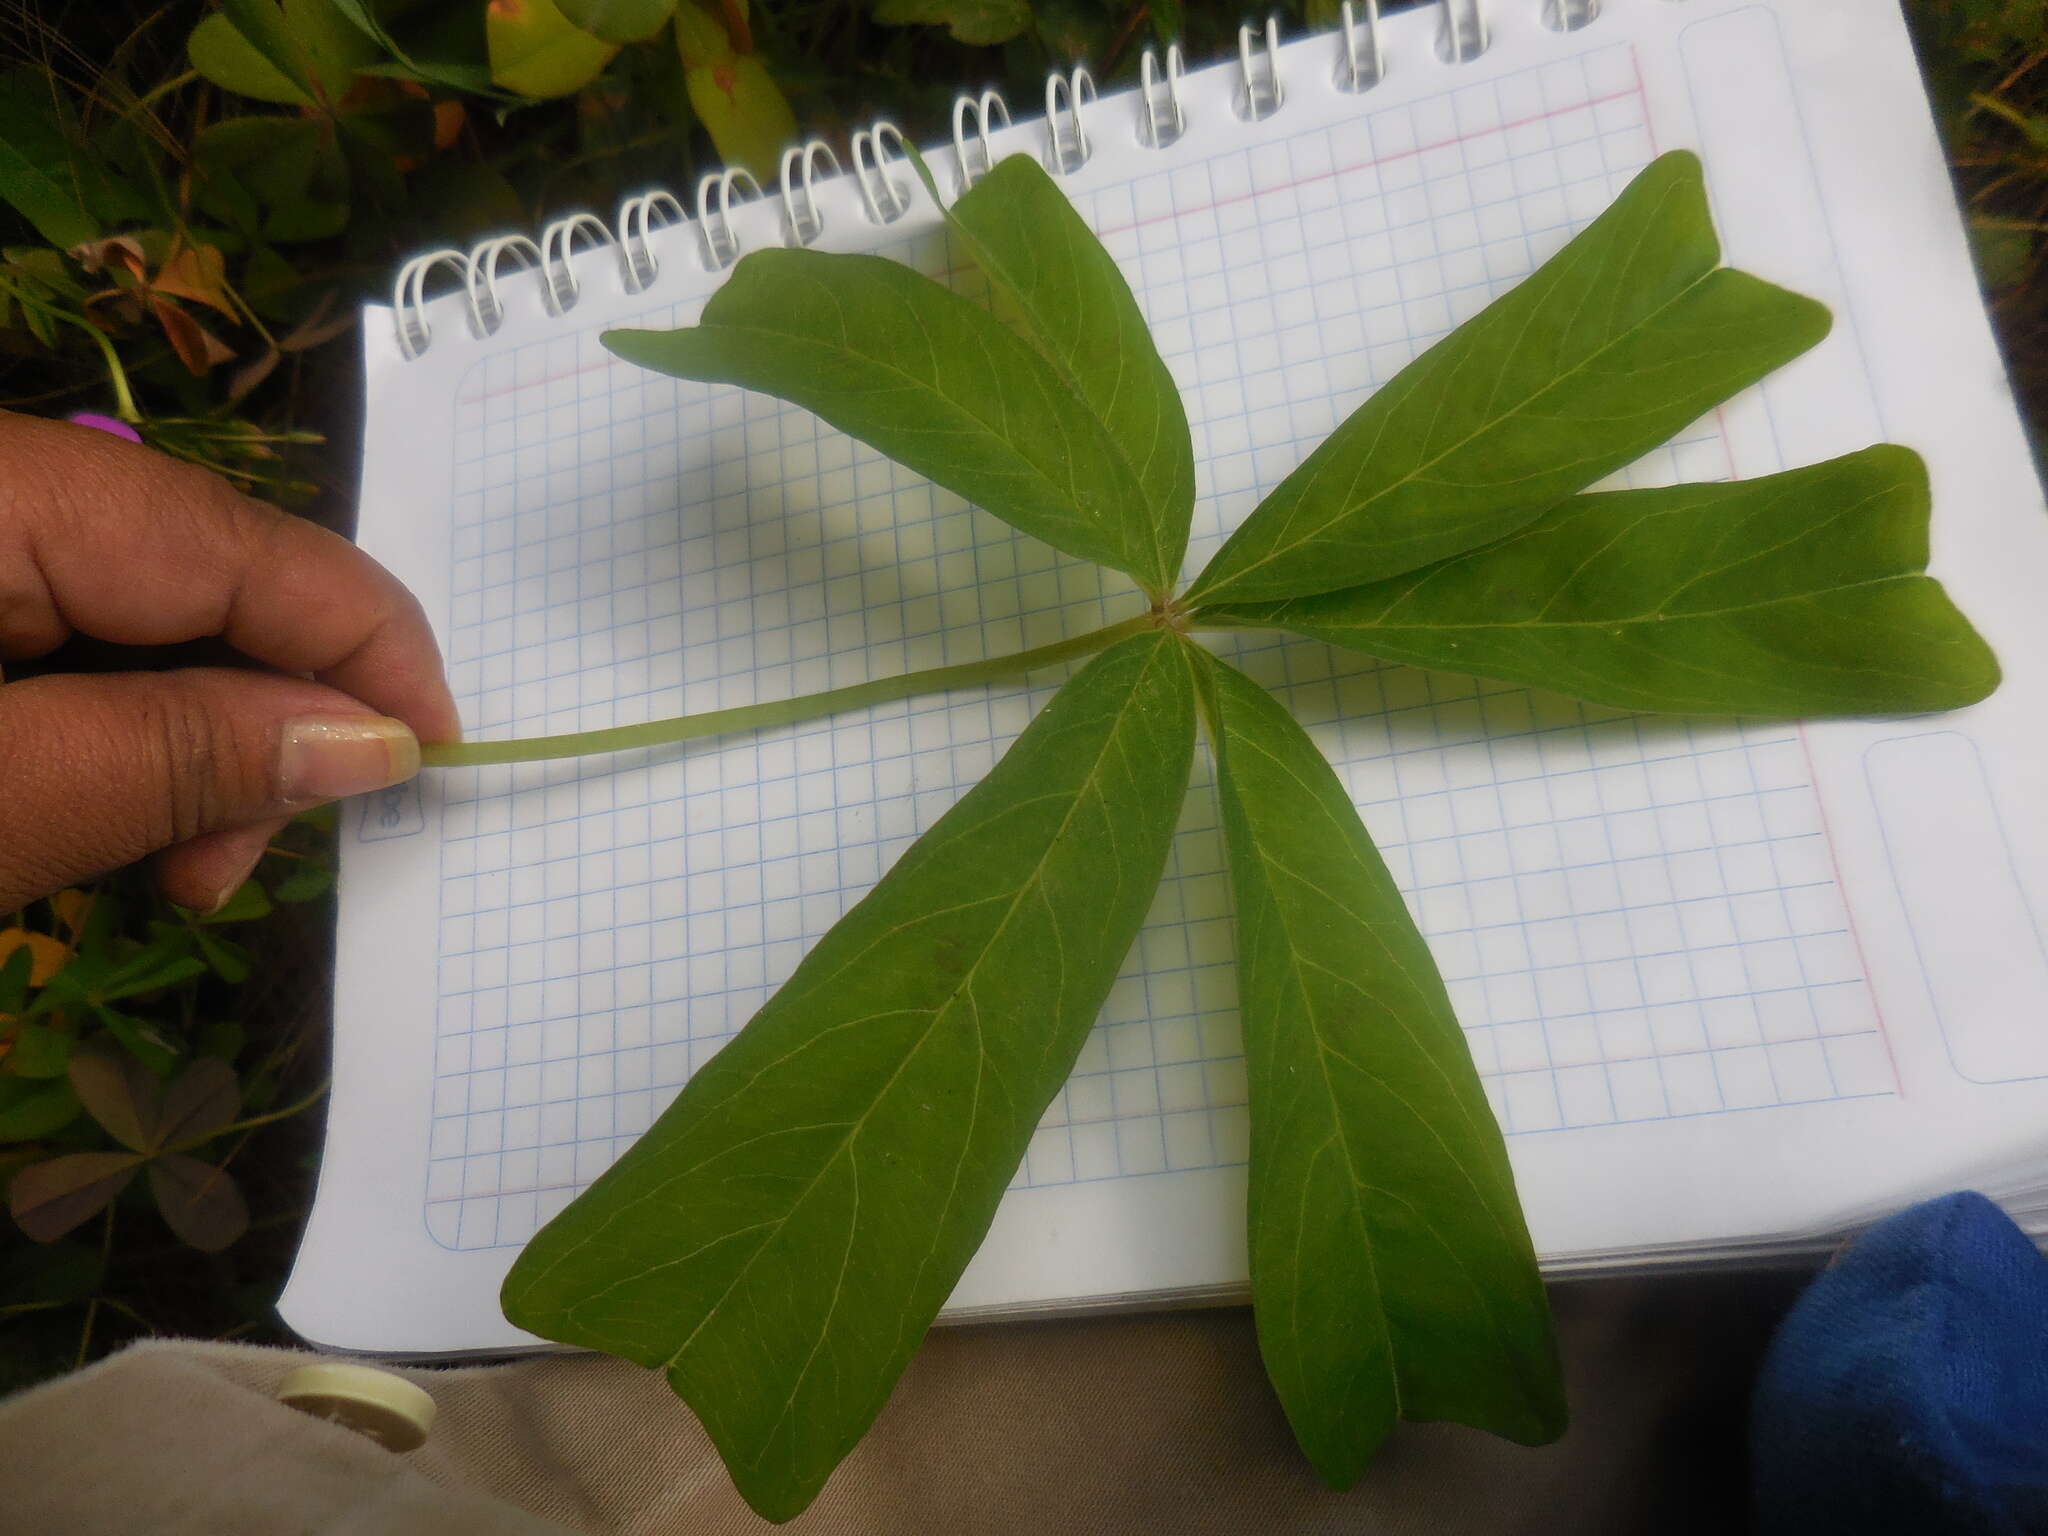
(1392, 1276)
(929, 378)
(784, 1235)
(1795, 594)
(1064, 294)
(1620, 339)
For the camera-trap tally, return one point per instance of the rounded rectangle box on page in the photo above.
(1974, 930)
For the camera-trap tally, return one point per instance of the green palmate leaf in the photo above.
(1392, 1276)
(1066, 297)
(930, 379)
(1796, 594)
(618, 21)
(977, 22)
(783, 1236)
(1606, 350)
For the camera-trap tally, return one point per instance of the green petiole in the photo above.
(754, 717)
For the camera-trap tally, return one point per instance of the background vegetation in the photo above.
(194, 199)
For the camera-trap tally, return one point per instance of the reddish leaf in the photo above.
(198, 273)
(203, 1098)
(119, 1092)
(197, 347)
(202, 1203)
(49, 1199)
(121, 253)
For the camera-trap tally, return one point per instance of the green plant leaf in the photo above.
(1061, 291)
(16, 966)
(36, 161)
(749, 119)
(783, 1236)
(300, 53)
(931, 379)
(1620, 339)
(49, 1198)
(138, 1037)
(1796, 594)
(1392, 1276)
(978, 23)
(230, 961)
(36, 1050)
(309, 882)
(536, 52)
(32, 1108)
(448, 46)
(221, 52)
(247, 904)
(618, 21)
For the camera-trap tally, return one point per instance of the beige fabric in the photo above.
(1159, 1423)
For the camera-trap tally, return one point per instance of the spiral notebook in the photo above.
(1731, 986)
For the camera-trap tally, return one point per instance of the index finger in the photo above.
(129, 545)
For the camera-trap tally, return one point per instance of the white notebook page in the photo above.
(1723, 981)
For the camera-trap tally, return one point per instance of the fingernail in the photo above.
(328, 756)
(243, 850)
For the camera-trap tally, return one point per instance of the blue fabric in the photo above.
(1907, 1391)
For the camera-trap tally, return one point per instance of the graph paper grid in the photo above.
(1636, 918)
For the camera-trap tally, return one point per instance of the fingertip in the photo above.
(204, 873)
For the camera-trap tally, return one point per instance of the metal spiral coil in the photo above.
(1160, 120)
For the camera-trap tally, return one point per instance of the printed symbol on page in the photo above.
(393, 812)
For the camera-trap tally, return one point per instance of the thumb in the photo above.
(103, 770)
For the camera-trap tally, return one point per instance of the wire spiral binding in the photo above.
(1161, 119)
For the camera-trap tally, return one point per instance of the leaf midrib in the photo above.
(1352, 509)
(1626, 620)
(1297, 961)
(1040, 342)
(912, 381)
(939, 1013)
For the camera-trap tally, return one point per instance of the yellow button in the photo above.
(389, 1409)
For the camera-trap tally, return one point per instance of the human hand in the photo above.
(201, 766)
